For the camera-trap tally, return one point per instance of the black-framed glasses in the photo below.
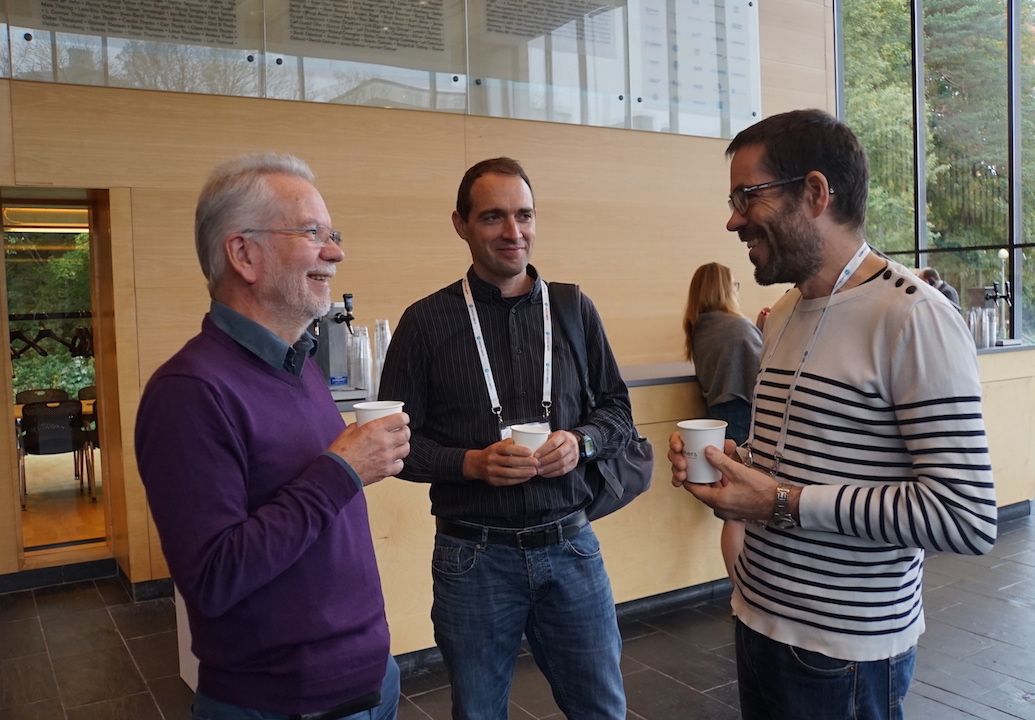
(740, 199)
(318, 235)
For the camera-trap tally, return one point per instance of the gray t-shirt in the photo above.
(726, 350)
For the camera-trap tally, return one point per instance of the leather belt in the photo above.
(539, 536)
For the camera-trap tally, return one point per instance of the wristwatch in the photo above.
(587, 449)
(782, 518)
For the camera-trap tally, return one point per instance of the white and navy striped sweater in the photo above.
(887, 437)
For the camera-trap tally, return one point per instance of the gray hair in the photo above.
(236, 196)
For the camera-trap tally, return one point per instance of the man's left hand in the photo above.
(558, 455)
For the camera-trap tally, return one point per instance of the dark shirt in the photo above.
(261, 341)
(432, 365)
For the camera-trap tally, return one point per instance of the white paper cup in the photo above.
(697, 435)
(529, 435)
(367, 411)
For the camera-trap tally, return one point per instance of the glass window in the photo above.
(1026, 296)
(878, 80)
(966, 95)
(405, 55)
(558, 63)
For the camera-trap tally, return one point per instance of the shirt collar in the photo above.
(486, 291)
(261, 342)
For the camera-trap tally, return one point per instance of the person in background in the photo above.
(932, 278)
(724, 347)
(254, 483)
(514, 552)
(867, 446)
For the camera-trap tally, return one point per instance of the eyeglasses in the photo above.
(740, 199)
(319, 235)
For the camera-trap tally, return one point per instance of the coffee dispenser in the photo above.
(337, 351)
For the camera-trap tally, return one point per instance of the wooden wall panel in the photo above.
(6, 136)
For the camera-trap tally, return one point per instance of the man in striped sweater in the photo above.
(867, 444)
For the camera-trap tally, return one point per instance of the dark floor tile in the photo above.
(951, 640)
(173, 696)
(17, 606)
(26, 680)
(727, 695)
(918, 707)
(530, 690)
(632, 629)
(73, 633)
(1008, 661)
(68, 598)
(156, 655)
(45, 710)
(96, 675)
(21, 637)
(629, 665)
(145, 618)
(697, 628)
(409, 711)
(1016, 698)
(516, 712)
(954, 675)
(436, 704)
(425, 680)
(131, 707)
(972, 708)
(700, 669)
(655, 696)
(113, 591)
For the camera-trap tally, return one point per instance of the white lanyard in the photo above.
(846, 273)
(483, 354)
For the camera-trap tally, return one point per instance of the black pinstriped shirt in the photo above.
(433, 366)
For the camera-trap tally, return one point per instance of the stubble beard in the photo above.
(795, 250)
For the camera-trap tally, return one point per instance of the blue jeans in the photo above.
(205, 708)
(559, 596)
(779, 681)
(737, 414)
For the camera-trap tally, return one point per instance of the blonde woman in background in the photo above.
(725, 347)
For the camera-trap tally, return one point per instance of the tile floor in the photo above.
(84, 651)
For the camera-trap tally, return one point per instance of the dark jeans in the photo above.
(737, 414)
(559, 596)
(780, 682)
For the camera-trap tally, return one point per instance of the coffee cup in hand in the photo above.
(697, 435)
(367, 411)
(530, 435)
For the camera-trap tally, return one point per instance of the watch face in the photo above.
(587, 448)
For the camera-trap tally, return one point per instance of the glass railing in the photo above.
(678, 66)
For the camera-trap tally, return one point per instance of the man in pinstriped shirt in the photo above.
(514, 553)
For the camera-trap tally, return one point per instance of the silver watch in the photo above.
(782, 518)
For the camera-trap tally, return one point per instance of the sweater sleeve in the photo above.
(194, 466)
(949, 505)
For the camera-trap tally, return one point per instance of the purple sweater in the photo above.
(266, 537)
